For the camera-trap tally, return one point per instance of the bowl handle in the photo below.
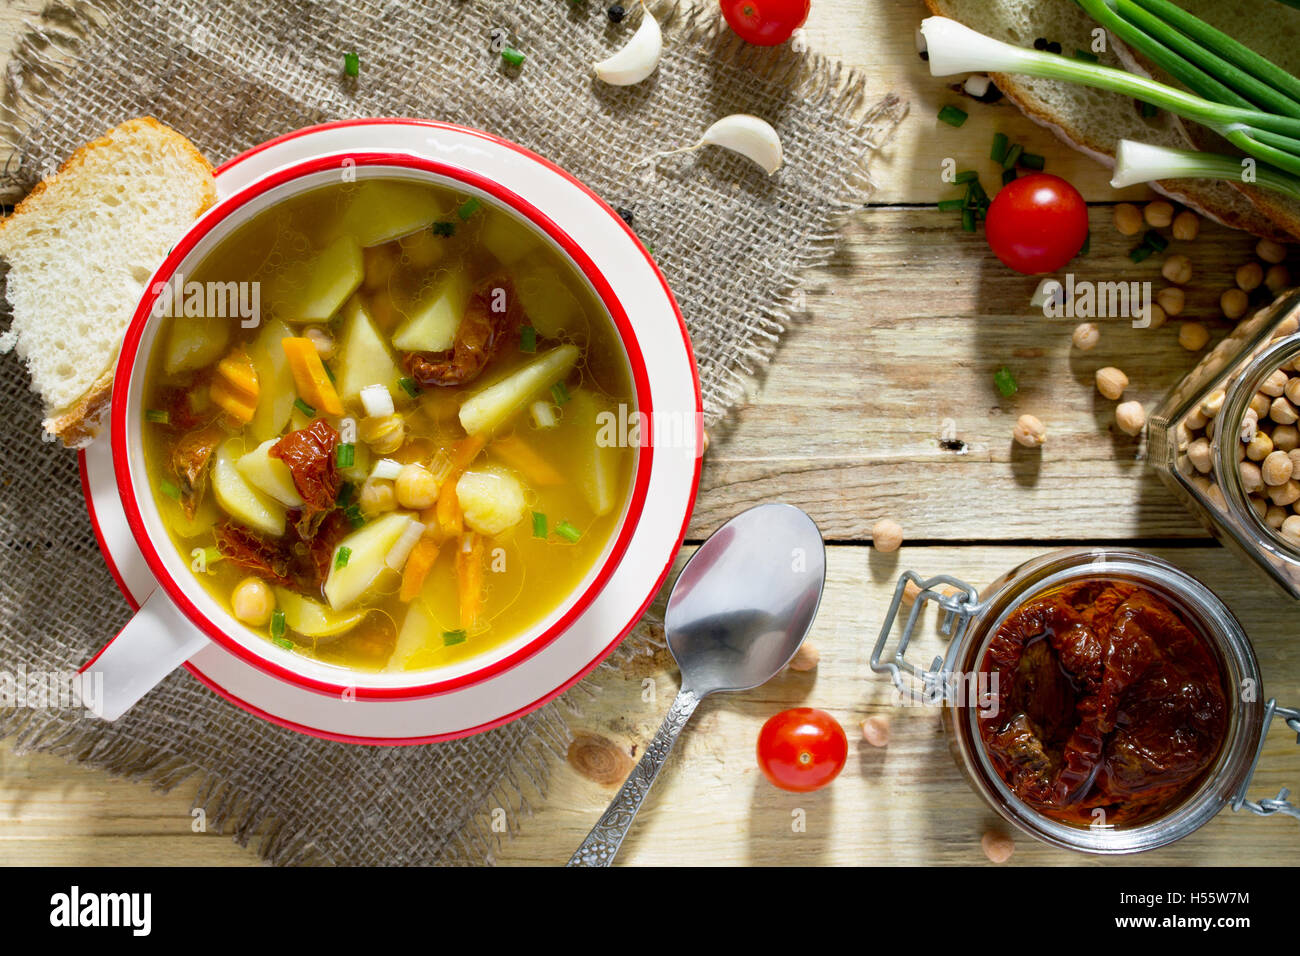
(156, 641)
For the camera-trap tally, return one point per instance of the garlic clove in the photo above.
(748, 135)
(638, 59)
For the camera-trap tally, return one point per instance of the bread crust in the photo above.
(78, 425)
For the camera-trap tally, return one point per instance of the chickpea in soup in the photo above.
(407, 461)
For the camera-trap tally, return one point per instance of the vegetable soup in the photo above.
(408, 460)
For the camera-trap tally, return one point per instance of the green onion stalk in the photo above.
(1270, 137)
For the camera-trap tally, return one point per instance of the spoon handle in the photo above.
(607, 835)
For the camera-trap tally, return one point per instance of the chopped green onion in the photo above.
(1005, 382)
(1013, 156)
(1140, 253)
(353, 513)
(975, 192)
(169, 489)
(560, 392)
(952, 116)
(539, 525)
(512, 56)
(158, 416)
(568, 532)
(450, 638)
(965, 176)
(1032, 161)
(443, 228)
(968, 220)
(345, 455)
(999, 150)
(951, 205)
(345, 494)
(1156, 241)
(351, 64)
(303, 407)
(341, 559)
(282, 641)
(527, 339)
(329, 373)
(409, 387)
(277, 624)
(468, 208)
(1008, 175)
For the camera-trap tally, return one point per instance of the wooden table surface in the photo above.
(899, 342)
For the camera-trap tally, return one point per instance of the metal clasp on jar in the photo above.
(1279, 804)
(958, 610)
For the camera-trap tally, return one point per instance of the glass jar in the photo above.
(957, 683)
(1199, 458)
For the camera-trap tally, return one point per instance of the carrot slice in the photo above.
(310, 377)
(450, 519)
(469, 579)
(521, 456)
(235, 387)
(417, 568)
(464, 452)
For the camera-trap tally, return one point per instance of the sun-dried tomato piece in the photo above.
(249, 550)
(310, 455)
(190, 458)
(491, 320)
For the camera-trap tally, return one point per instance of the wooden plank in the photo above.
(905, 804)
(900, 343)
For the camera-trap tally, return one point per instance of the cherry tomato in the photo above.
(765, 22)
(802, 749)
(1036, 223)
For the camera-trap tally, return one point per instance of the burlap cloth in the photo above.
(232, 74)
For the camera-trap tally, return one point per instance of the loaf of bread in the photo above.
(81, 248)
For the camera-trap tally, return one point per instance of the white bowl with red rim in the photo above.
(180, 622)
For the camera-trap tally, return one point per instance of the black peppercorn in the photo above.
(616, 13)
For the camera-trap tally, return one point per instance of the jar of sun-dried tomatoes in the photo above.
(1100, 700)
(1226, 440)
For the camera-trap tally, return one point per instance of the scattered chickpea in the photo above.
(1128, 219)
(252, 601)
(377, 496)
(806, 658)
(1193, 336)
(1172, 300)
(875, 730)
(1086, 336)
(1177, 269)
(1276, 469)
(887, 535)
(1234, 303)
(1156, 316)
(1249, 276)
(1130, 417)
(1187, 225)
(1277, 279)
(1029, 432)
(1111, 382)
(1270, 251)
(998, 847)
(1158, 214)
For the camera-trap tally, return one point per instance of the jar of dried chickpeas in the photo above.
(1226, 440)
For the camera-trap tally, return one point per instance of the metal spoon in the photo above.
(738, 612)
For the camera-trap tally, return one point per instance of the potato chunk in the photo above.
(492, 500)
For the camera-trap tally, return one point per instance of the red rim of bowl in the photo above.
(127, 363)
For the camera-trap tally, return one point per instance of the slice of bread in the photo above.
(1093, 121)
(80, 249)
